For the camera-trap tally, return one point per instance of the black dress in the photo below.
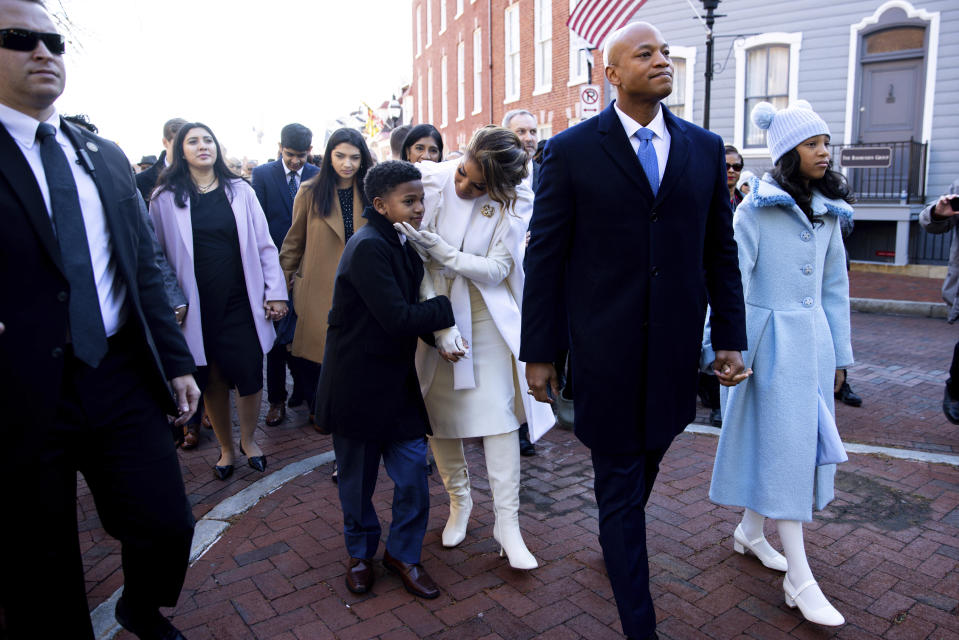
(346, 206)
(229, 334)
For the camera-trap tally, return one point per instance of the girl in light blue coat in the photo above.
(797, 320)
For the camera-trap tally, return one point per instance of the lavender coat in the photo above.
(261, 264)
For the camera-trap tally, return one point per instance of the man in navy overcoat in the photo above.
(631, 236)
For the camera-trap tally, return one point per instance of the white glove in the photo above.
(423, 239)
(449, 342)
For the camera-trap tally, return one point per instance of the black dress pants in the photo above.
(623, 483)
(953, 382)
(110, 427)
(277, 360)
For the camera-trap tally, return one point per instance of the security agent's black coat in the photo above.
(368, 386)
(34, 291)
(637, 271)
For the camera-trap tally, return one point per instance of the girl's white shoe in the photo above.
(759, 548)
(826, 615)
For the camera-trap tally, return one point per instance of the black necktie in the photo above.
(86, 323)
(293, 185)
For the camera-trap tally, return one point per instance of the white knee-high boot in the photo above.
(502, 466)
(799, 584)
(451, 463)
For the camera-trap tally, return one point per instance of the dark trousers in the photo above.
(110, 428)
(623, 484)
(310, 377)
(277, 360)
(358, 462)
(709, 390)
(953, 382)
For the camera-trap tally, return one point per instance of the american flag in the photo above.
(593, 20)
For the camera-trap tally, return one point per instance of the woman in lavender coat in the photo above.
(214, 234)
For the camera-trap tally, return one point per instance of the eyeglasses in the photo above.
(25, 40)
(735, 167)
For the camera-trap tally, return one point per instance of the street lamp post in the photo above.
(395, 110)
(710, 6)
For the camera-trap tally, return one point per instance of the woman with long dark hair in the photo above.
(779, 445)
(326, 211)
(423, 142)
(473, 237)
(213, 231)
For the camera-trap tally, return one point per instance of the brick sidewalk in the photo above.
(888, 286)
(885, 552)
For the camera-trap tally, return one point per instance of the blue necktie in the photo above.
(647, 158)
(293, 185)
(87, 333)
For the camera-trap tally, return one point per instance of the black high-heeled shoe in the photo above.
(256, 462)
(224, 472)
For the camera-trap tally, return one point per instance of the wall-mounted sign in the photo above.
(866, 157)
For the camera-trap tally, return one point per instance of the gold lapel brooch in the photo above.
(487, 210)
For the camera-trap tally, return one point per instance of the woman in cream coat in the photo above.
(472, 236)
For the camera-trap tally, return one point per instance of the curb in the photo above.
(211, 527)
(899, 307)
(911, 455)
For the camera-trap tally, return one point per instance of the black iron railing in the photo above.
(902, 181)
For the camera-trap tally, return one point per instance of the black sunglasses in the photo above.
(26, 40)
(734, 167)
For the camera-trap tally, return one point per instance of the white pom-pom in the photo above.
(763, 114)
(801, 104)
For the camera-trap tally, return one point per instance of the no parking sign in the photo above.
(589, 103)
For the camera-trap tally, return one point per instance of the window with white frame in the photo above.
(543, 52)
(767, 80)
(442, 16)
(459, 8)
(419, 30)
(429, 22)
(477, 71)
(429, 95)
(511, 26)
(444, 100)
(680, 101)
(578, 55)
(419, 97)
(460, 80)
(767, 69)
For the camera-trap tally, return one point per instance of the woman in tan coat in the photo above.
(327, 210)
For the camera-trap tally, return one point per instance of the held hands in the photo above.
(729, 368)
(943, 209)
(275, 309)
(542, 381)
(424, 239)
(451, 345)
(187, 396)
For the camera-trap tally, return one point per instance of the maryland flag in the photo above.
(373, 124)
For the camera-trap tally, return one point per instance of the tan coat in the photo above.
(309, 257)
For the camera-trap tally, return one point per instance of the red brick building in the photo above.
(474, 60)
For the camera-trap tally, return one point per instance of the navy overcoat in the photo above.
(636, 272)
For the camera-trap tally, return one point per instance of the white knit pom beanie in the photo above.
(787, 128)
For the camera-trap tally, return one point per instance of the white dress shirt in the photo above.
(660, 139)
(111, 290)
(287, 172)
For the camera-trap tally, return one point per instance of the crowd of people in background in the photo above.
(416, 302)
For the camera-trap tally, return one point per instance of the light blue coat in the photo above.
(797, 324)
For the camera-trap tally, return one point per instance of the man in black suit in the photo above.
(276, 184)
(147, 179)
(632, 226)
(89, 344)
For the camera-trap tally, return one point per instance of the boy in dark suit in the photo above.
(276, 184)
(369, 395)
